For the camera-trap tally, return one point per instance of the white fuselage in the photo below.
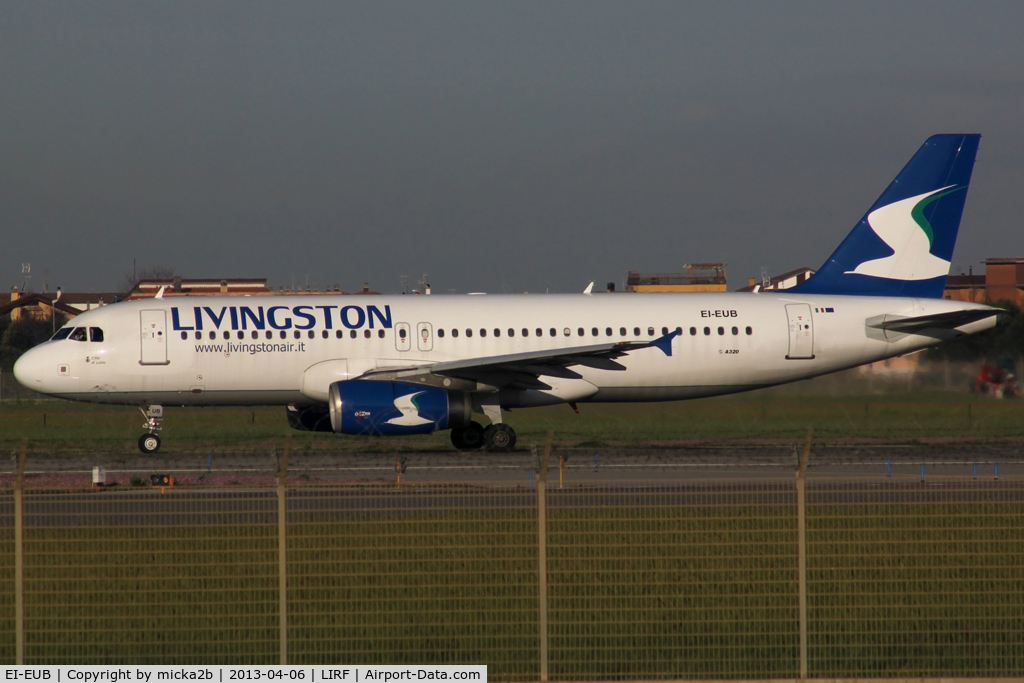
(150, 354)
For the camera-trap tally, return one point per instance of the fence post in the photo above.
(542, 556)
(282, 550)
(19, 559)
(801, 549)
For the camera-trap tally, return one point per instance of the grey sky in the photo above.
(495, 146)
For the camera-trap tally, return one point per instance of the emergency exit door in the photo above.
(424, 336)
(801, 332)
(153, 333)
(403, 339)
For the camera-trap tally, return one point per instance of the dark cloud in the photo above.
(493, 146)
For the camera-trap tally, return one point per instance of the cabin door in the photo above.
(801, 332)
(153, 334)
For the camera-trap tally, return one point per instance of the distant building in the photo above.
(179, 286)
(41, 305)
(1003, 281)
(779, 282)
(699, 277)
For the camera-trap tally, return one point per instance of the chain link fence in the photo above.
(616, 581)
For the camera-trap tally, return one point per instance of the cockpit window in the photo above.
(62, 333)
(95, 334)
(78, 334)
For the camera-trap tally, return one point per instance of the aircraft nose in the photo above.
(28, 370)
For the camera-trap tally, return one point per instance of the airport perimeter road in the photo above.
(577, 466)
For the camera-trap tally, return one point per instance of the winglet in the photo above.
(665, 342)
(589, 289)
(160, 294)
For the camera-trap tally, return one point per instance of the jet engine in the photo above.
(387, 408)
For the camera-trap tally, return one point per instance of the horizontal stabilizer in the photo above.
(941, 321)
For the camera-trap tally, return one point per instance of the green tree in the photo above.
(1005, 339)
(22, 334)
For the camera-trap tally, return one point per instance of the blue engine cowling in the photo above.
(386, 408)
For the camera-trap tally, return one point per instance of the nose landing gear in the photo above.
(150, 443)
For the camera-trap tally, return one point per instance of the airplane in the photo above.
(398, 365)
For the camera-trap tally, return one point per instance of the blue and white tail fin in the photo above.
(904, 243)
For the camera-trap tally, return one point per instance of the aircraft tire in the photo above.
(470, 438)
(149, 443)
(500, 438)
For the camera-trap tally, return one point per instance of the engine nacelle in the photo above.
(387, 408)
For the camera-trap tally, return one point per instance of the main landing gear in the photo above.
(474, 437)
(150, 443)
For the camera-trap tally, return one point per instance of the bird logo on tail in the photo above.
(904, 228)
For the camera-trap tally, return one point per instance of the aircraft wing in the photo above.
(523, 370)
(942, 321)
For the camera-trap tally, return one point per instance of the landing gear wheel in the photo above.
(149, 443)
(469, 438)
(499, 437)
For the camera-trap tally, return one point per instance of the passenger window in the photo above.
(401, 333)
(636, 331)
(78, 334)
(511, 332)
(593, 331)
(241, 335)
(184, 335)
(608, 331)
(693, 331)
(664, 331)
(707, 331)
(721, 330)
(552, 332)
(750, 330)
(580, 332)
(566, 332)
(322, 334)
(338, 334)
(366, 334)
(284, 335)
(679, 330)
(455, 333)
(540, 332)
(95, 334)
(497, 332)
(526, 332)
(380, 333)
(297, 334)
(650, 332)
(311, 334)
(483, 332)
(735, 330)
(622, 331)
(270, 335)
(199, 335)
(62, 333)
(256, 335)
(469, 332)
(440, 333)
